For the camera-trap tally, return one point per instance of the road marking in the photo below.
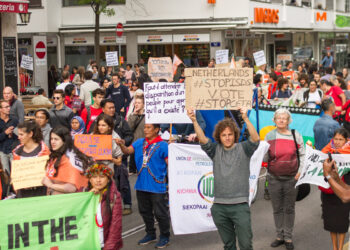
(133, 231)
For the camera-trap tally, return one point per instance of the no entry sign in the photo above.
(40, 50)
(120, 29)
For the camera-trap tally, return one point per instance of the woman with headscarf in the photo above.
(78, 126)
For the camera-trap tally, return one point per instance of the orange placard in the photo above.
(97, 146)
(266, 78)
(288, 74)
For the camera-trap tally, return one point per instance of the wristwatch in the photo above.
(326, 178)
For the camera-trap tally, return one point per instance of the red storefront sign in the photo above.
(14, 6)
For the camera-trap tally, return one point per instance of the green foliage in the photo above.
(101, 6)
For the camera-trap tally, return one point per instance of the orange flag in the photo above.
(176, 62)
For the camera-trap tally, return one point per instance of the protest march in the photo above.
(198, 145)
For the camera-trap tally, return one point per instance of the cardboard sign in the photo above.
(221, 56)
(259, 58)
(223, 65)
(112, 58)
(28, 173)
(266, 78)
(165, 102)
(27, 62)
(160, 68)
(288, 74)
(219, 88)
(98, 147)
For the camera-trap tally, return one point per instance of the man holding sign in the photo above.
(230, 212)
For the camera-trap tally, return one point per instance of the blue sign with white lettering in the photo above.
(215, 44)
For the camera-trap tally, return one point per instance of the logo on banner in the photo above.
(206, 187)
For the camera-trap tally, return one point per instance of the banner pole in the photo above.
(171, 132)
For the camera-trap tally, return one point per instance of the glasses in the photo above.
(56, 98)
(6, 107)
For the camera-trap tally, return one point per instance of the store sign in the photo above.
(239, 34)
(12, 7)
(215, 44)
(192, 38)
(342, 21)
(79, 40)
(155, 39)
(112, 40)
(266, 15)
(229, 34)
(321, 16)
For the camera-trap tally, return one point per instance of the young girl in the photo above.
(109, 211)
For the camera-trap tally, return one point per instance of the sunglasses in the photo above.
(56, 98)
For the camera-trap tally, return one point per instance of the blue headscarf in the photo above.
(81, 126)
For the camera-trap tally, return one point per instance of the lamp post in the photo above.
(25, 18)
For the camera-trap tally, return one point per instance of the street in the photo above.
(308, 232)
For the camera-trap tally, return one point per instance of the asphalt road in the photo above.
(308, 231)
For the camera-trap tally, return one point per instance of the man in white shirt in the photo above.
(41, 98)
(66, 80)
(87, 88)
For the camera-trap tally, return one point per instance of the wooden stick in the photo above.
(171, 132)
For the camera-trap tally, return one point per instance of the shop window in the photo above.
(193, 55)
(147, 51)
(34, 4)
(302, 47)
(79, 55)
(68, 3)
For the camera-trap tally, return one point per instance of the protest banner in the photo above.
(259, 58)
(221, 56)
(112, 58)
(160, 68)
(288, 74)
(312, 172)
(191, 186)
(27, 62)
(28, 173)
(165, 102)
(50, 222)
(266, 78)
(98, 147)
(219, 88)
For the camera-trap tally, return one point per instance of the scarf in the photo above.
(81, 128)
(155, 140)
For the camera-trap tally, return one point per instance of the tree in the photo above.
(100, 6)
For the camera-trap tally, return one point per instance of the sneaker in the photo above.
(277, 243)
(163, 242)
(289, 245)
(147, 239)
(127, 211)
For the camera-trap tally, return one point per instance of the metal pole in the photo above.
(120, 52)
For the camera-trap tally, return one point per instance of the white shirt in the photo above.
(100, 224)
(63, 85)
(313, 98)
(86, 91)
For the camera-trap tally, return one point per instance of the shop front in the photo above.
(154, 46)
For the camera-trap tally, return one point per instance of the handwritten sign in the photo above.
(98, 147)
(288, 74)
(165, 102)
(223, 65)
(219, 88)
(259, 58)
(27, 62)
(221, 56)
(312, 172)
(28, 173)
(160, 68)
(112, 58)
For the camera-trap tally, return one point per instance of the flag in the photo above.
(176, 62)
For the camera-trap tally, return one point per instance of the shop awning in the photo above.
(14, 6)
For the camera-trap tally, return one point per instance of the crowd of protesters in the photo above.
(104, 101)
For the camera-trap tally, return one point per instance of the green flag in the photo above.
(55, 222)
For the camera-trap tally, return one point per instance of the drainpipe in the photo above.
(59, 59)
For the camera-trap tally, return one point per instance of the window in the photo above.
(34, 3)
(67, 3)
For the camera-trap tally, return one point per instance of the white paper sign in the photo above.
(165, 102)
(191, 186)
(27, 62)
(112, 58)
(312, 172)
(221, 56)
(259, 58)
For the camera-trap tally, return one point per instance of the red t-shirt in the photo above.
(93, 115)
(335, 93)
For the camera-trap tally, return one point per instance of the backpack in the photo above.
(306, 94)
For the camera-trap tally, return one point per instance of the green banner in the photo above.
(342, 21)
(55, 222)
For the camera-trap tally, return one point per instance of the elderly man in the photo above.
(17, 108)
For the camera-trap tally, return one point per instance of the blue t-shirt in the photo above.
(156, 165)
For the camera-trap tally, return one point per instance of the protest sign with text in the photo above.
(98, 147)
(219, 88)
(165, 102)
(29, 172)
(160, 68)
(259, 58)
(112, 58)
(191, 186)
(27, 62)
(312, 172)
(64, 221)
(221, 56)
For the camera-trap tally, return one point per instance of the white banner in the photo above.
(221, 56)
(165, 102)
(312, 172)
(259, 58)
(112, 58)
(191, 186)
(27, 62)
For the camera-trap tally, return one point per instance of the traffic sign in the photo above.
(40, 50)
(120, 29)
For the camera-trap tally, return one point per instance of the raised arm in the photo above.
(126, 150)
(200, 134)
(254, 136)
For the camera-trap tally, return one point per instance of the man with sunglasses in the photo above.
(60, 114)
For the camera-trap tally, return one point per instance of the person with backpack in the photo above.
(90, 113)
(313, 96)
(285, 159)
(283, 91)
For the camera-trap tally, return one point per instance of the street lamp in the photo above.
(25, 18)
